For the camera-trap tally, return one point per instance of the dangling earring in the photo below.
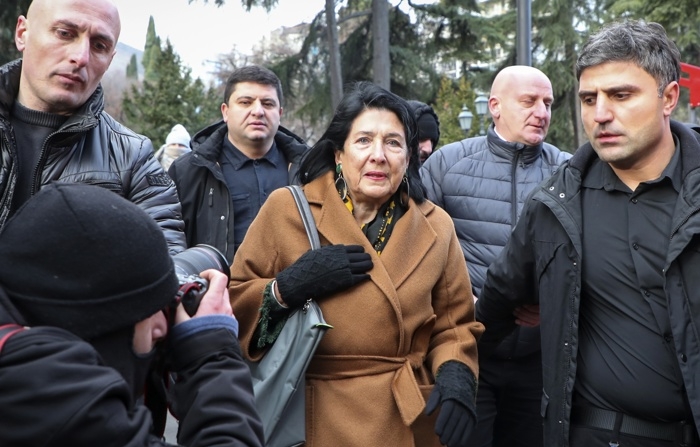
(340, 184)
(408, 192)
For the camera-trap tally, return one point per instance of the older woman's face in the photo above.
(374, 157)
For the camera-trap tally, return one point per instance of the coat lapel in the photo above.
(411, 240)
(409, 243)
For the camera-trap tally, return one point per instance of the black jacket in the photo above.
(55, 391)
(482, 183)
(91, 147)
(542, 264)
(205, 198)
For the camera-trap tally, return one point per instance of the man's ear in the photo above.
(670, 96)
(21, 33)
(495, 107)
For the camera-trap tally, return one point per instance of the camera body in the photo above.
(188, 265)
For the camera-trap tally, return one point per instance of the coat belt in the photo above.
(404, 386)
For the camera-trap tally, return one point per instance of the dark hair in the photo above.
(255, 74)
(645, 44)
(360, 97)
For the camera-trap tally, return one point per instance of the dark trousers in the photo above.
(508, 403)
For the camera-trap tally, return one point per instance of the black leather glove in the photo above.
(455, 389)
(322, 272)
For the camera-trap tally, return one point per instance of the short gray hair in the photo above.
(645, 44)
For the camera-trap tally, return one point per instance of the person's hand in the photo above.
(214, 302)
(527, 315)
(456, 420)
(322, 272)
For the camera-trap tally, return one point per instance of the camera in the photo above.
(188, 265)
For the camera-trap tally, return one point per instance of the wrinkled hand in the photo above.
(527, 315)
(322, 272)
(454, 422)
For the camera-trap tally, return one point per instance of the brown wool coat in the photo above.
(372, 373)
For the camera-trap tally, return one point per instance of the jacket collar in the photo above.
(208, 142)
(9, 86)
(335, 223)
(689, 142)
(508, 150)
(85, 117)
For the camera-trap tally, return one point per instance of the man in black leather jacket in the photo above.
(53, 126)
(83, 320)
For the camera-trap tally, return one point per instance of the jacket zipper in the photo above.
(514, 192)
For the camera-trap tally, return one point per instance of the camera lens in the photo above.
(201, 257)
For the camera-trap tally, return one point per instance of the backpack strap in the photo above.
(7, 331)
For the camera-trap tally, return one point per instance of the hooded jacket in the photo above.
(542, 264)
(56, 391)
(204, 195)
(482, 183)
(91, 147)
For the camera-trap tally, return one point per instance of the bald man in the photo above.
(482, 183)
(53, 126)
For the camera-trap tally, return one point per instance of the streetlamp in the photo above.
(481, 104)
(465, 119)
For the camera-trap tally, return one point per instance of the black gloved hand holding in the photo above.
(322, 272)
(455, 389)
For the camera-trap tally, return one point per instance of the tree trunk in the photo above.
(336, 72)
(381, 61)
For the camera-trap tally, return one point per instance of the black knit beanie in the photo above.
(84, 259)
(427, 120)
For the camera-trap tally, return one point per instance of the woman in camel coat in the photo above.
(390, 278)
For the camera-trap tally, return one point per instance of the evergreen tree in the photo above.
(169, 97)
(458, 30)
(560, 30)
(451, 97)
(150, 51)
(132, 70)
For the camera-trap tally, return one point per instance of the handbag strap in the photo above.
(7, 331)
(306, 216)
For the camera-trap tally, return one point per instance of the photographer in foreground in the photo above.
(85, 277)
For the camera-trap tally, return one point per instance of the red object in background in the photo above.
(692, 82)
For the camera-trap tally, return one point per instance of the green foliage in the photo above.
(451, 97)
(305, 76)
(555, 47)
(168, 98)
(9, 12)
(457, 30)
(132, 70)
(152, 46)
